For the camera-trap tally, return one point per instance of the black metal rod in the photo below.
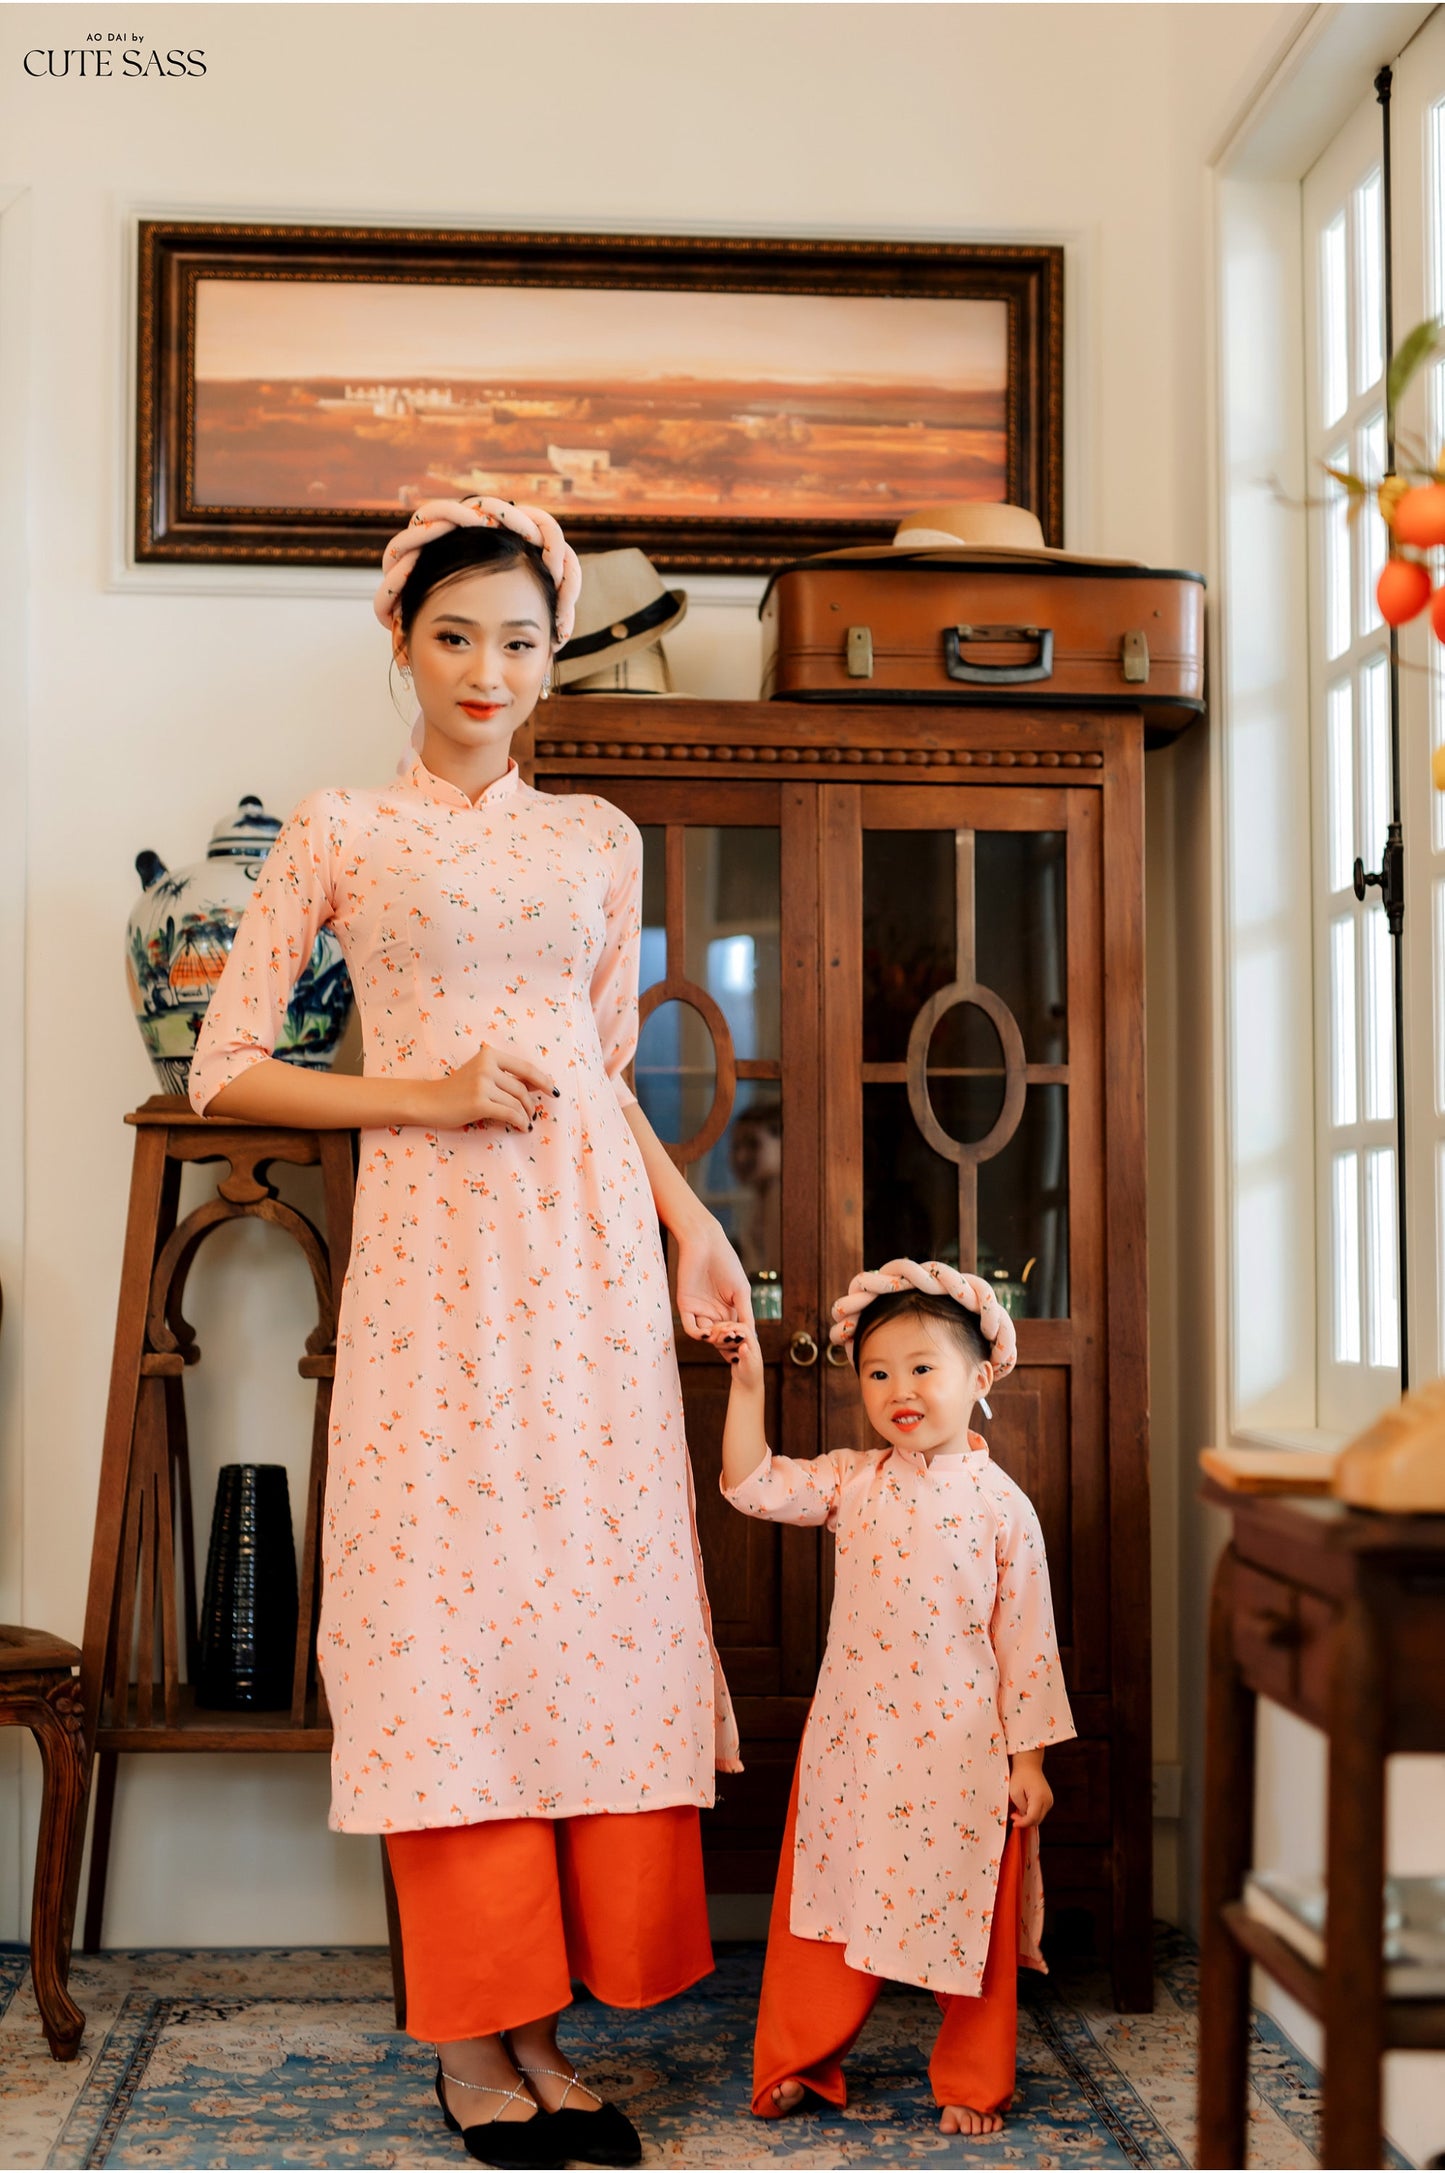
(1393, 856)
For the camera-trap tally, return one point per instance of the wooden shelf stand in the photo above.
(141, 1614)
(1339, 1616)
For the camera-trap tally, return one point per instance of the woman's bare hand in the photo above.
(712, 1286)
(496, 1086)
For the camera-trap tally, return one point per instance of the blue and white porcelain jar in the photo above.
(179, 936)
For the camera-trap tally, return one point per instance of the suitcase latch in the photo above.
(1135, 653)
(859, 652)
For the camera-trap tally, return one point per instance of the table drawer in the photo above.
(1266, 1632)
(1316, 1647)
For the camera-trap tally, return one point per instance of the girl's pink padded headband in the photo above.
(937, 1280)
(436, 515)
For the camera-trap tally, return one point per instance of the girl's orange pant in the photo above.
(498, 1919)
(814, 2005)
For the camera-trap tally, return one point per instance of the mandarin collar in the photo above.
(423, 781)
(967, 1459)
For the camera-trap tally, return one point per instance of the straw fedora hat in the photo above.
(979, 526)
(622, 614)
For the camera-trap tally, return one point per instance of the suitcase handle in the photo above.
(998, 675)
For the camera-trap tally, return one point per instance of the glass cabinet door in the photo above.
(708, 1070)
(726, 1073)
(963, 1091)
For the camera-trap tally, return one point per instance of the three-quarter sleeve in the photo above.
(291, 903)
(1033, 1704)
(614, 979)
(790, 1490)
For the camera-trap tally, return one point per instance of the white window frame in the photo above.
(1357, 1261)
(1267, 1387)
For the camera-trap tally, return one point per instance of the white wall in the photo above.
(152, 701)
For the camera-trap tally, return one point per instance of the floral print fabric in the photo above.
(513, 1618)
(941, 1660)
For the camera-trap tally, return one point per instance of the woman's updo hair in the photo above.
(961, 1324)
(474, 550)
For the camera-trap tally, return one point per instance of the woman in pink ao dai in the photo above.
(515, 1638)
(912, 1843)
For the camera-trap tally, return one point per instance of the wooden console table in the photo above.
(1339, 1616)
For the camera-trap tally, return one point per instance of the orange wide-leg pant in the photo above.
(498, 1919)
(813, 2005)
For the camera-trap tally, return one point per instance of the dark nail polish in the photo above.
(556, 1090)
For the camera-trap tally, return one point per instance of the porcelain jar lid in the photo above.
(245, 834)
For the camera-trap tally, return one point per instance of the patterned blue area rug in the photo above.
(272, 2058)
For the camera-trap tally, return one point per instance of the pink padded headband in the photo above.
(937, 1280)
(437, 515)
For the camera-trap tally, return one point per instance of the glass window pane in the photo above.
(1334, 345)
(1337, 559)
(1020, 891)
(654, 909)
(1343, 1037)
(1435, 138)
(910, 1194)
(910, 946)
(1369, 283)
(1370, 530)
(733, 885)
(675, 1074)
(910, 1198)
(1382, 1263)
(966, 1076)
(1436, 651)
(1023, 1208)
(1374, 761)
(1379, 1016)
(1437, 983)
(1341, 730)
(741, 1178)
(1345, 1244)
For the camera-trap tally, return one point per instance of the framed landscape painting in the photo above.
(717, 403)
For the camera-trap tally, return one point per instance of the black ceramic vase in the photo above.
(248, 1614)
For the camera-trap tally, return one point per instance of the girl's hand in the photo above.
(1028, 1791)
(496, 1086)
(711, 1286)
(738, 1342)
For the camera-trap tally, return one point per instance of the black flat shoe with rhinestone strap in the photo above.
(603, 2137)
(516, 2146)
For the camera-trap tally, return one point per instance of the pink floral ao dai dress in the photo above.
(941, 1660)
(513, 1617)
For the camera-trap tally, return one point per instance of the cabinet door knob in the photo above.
(802, 1349)
(836, 1354)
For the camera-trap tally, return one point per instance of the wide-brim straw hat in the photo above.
(996, 530)
(623, 609)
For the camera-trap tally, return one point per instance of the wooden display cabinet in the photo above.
(893, 1002)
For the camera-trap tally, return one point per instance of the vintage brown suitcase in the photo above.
(941, 625)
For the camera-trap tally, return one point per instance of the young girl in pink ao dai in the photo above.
(911, 1848)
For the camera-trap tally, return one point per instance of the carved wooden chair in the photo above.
(40, 1690)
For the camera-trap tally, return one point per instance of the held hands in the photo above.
(738, 1342)
(712, 1289)
(496, 1086)
(1028, 1791)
